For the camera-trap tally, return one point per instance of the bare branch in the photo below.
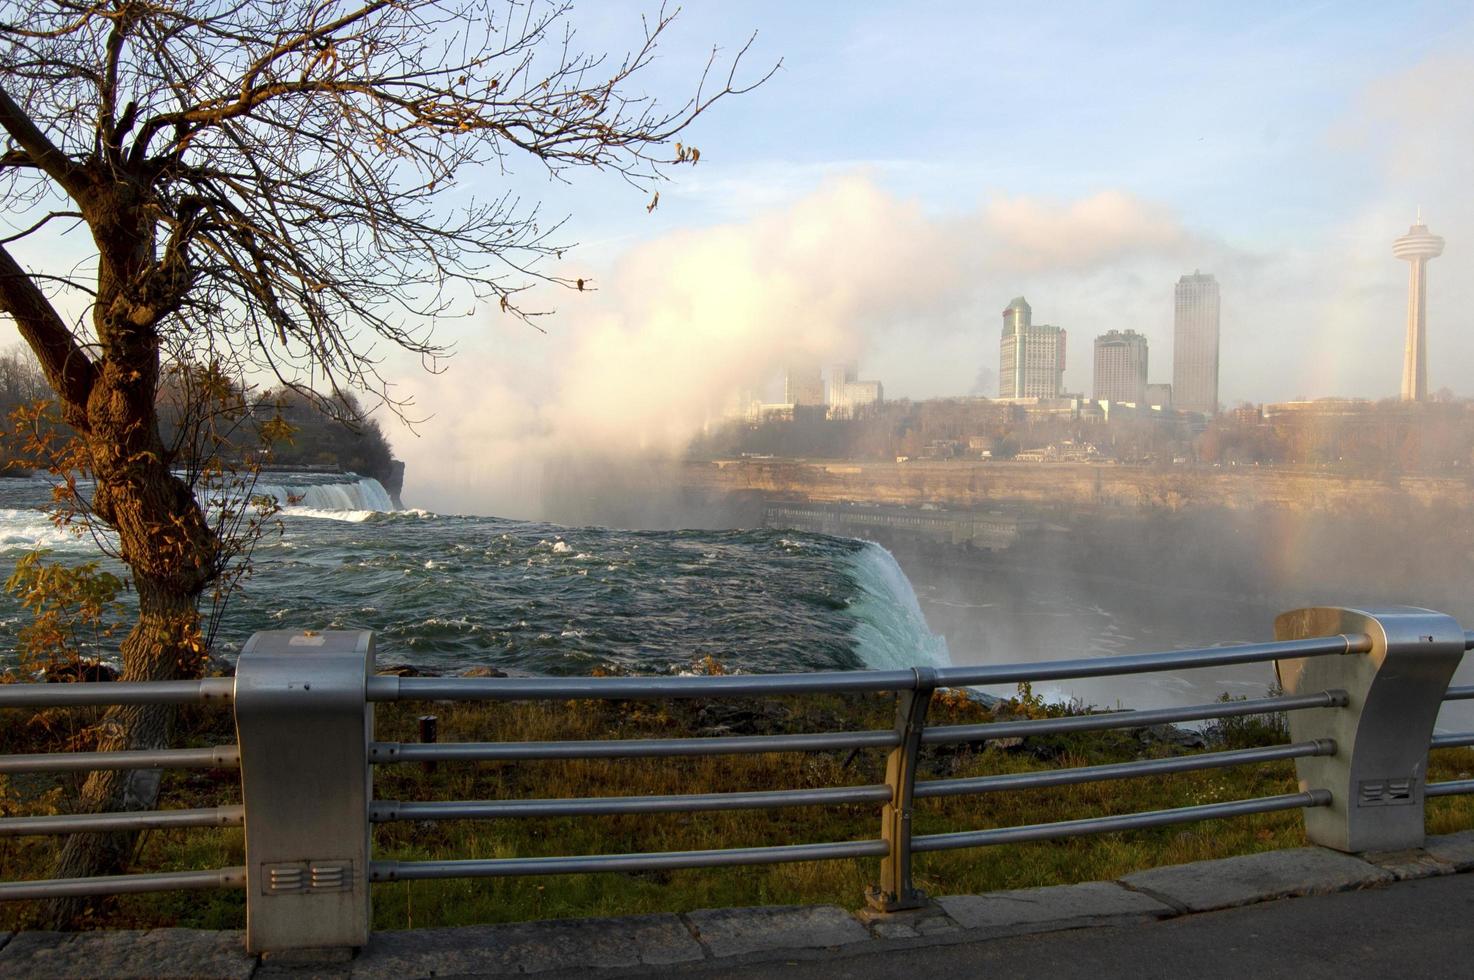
(68, 370)
(39, 150)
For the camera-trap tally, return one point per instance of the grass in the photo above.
(459, 902)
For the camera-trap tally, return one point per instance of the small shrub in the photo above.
(1247, 731)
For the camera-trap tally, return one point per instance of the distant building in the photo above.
(843, 373)
(1417, 247)
(1071, 407)
(850, 399)
(1247, 415)
(1159, 396)
(1031, 359)
(1120, 367)
(803, 385)
(1195, 344)
(758, 412)
(1323, 408)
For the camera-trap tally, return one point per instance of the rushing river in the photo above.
(450, 592)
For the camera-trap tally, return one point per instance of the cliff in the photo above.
(1073, 488)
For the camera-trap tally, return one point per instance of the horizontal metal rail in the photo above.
(389, 752)
(1452, 787)
(1462, 693)
(11, 891)
(215, 757)
(81, 694)
(833, 682)
(947, 734)
(1452, 741)
(1121, 770)
(658, 861)
(643, 688)
(1145, 663)
(84, 823)
(385, 811)
(1129, 821)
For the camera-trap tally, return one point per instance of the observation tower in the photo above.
(1416, 248)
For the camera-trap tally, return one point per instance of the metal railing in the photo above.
(215, 690)
(1453, 740)
(1359, 736)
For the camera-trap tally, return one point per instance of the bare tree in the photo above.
(276, 182)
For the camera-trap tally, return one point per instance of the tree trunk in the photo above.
(151, 652)
(170, 550)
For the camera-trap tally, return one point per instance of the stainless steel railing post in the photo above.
(896, 890)
(304, 727)
(1377, 775)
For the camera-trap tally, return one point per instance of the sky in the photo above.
(911, 168)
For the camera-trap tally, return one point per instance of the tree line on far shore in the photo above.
(1386, 437)
(311, 431)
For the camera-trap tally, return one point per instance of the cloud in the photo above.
(1030, 235)
(683, 323)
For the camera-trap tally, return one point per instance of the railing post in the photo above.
(304, 726)
(1378, 773)
(896, 890)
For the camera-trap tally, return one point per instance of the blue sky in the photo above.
(914, 166)
(1221, 110)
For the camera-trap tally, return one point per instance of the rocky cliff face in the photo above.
(393, 481)
(1074, 488)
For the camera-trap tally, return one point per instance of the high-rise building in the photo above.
(1195, 344)
(1416, 248)
(1031, 359)
(842, 373)
(852, 399)
(803, 385)
(1120, 367)
(1159, 395)
(849, 397)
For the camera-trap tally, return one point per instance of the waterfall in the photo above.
(342, 497)
(892, 631)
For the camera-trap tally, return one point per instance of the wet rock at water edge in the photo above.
(482, 671)
(743, 717)
(406, 670)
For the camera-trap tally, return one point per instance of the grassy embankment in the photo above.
(433, 903)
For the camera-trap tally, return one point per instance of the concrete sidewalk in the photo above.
(1416, 927)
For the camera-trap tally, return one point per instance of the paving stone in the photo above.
(307, 964)
(528, 947)
(1094, 903)
(928, 920)
(1225, 883)
(1455, 849)
(303, 971)
(159, 954)
(732, 932)
(937, 926)
(894, 930)
(1408, 865)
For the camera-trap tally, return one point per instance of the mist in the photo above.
(680, 327)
